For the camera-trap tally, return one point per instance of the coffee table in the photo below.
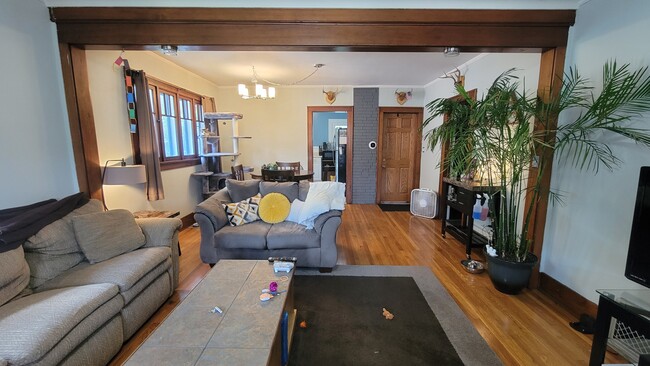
(249, 332)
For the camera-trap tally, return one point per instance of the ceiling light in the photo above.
(451, 51)
(267, 93)
(169, 50)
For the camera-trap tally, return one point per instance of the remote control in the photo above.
(283, 259)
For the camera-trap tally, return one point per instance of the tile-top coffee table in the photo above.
(247, 333)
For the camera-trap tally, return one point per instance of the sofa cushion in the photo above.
(54, 249)
(289, 189)
(14, 274)
(251, 236)
(126, 271)
(322, 197)
(274, 208)
(241, 189)
(288, 234)
(303, 190)
(32, 326)
(104, 235)
(244, 211)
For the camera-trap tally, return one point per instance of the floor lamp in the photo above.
(122, 174)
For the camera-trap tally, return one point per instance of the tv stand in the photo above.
(630, 307)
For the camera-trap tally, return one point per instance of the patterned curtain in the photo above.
(147, 146)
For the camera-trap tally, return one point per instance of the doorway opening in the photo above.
(329, 145)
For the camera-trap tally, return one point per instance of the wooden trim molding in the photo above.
(313, 29)
(569, 299)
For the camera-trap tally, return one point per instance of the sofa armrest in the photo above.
(319, 222)
(327, 226)
(163, 232)
(212, 208)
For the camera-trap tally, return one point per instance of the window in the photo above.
(178, 117)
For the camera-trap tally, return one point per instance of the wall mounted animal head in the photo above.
(330, 96)
(403, 96)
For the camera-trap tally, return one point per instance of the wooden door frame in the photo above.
(380, 30)
(419, 112)
(348, 156)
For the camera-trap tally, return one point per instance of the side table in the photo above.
(148, 214)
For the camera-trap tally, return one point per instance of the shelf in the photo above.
(221, 115)
(218, 154)
(242, 137)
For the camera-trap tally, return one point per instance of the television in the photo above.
(637, 267)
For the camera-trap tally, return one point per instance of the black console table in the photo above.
(631, 307)
(460, 196)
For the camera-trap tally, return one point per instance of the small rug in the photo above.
(395, 207)
(345, 326)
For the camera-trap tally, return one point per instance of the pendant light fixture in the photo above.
(262, 92)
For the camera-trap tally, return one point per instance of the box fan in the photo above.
(424, 203)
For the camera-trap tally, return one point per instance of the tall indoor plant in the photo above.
(506, 131)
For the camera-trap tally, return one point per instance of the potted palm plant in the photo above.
(506, 132)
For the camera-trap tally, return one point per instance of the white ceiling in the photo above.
(412, 69)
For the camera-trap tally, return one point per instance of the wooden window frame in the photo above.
(182, 160)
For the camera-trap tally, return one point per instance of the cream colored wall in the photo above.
(279, 126)
(182, 191)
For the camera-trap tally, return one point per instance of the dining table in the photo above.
(297, 176)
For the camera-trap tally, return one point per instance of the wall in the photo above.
(585, 245)
(364, 159)
(37, 161)
(479, 73)
(320, 128)
(182, 191)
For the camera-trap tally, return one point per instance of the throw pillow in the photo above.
(104, 235)
(303, 189)
(289, 189)
(244, 211)
(294, 213)
(274, 208)
(240, 190)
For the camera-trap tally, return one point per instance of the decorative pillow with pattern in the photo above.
(243, 212)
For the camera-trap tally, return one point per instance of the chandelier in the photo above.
(262, 92)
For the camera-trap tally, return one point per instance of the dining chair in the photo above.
(293, 165)
(237, 171)
(277, 175)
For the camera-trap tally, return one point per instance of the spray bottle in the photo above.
(485, 208)
(476, 211)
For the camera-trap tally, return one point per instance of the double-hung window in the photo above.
(178, 117)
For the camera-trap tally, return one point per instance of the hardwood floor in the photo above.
(526, 329)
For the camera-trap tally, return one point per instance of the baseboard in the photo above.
(567, 298)
(188, 220)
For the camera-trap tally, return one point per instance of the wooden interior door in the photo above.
(398, 165)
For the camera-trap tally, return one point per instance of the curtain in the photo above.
(148, 139)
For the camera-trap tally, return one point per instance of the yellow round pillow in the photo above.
(274, 208)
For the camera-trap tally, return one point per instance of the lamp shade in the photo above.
(128, 174)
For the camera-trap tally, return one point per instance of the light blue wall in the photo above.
(586, 240)
(37, 161)
(320, 126)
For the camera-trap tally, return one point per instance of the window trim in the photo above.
(182, 160)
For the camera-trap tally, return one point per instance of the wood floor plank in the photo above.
(526, 329)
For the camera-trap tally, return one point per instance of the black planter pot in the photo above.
(510, 277)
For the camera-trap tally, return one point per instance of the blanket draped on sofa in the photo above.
(19, 223)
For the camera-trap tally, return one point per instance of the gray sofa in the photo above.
(74, 312)
(259, 240)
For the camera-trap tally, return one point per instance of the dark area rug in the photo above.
(345, 325)
(395, 207)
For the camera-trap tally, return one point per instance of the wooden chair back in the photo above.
(293, 165)
(277, 175)
(237, 171)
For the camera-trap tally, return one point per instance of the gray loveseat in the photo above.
(72, 312)
(259, 240)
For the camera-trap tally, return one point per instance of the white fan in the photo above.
(424, 203)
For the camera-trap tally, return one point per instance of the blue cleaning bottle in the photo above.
(476, 211)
